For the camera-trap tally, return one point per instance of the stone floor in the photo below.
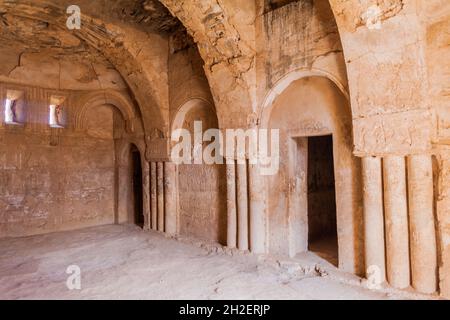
(125, 262)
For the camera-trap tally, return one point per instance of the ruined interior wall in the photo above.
(129, 40)
(225, 34)
(310, 107)
(187, 78)
(55, 179)
(201, 187)
(386, 72)
(71, 71)
(303, 36)
(300, 35)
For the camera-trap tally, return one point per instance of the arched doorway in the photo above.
(136, 181)
(315, 197)
(321, 197)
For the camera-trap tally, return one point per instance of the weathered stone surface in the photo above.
(373, 74)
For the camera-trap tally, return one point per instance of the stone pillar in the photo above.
(124, 194)
(422, 224)
(396, 222)
(231, 204)
(170, 198)
(146, 194)
(153, 196)
(442, 196)
(373, 217)
(257, 210)
(160, 194)
(242, 206)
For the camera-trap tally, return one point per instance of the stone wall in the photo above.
(394, 76)
(201, 187)
(55, 179)
(300, 35)
(438, 52)
(312, 107)
(435, 16)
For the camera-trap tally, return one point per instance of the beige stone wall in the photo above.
(300, 40)
(299, 36)
(46, 189)
(225, 34)
(187, 78)
(435, 17)
(202, 208)
(201, 187)
(395, 78)
(139, 57)
(310, 107)
(49, 69)
(55, 179)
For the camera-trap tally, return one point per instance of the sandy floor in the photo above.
(124, 262)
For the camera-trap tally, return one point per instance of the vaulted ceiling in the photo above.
(24, 31)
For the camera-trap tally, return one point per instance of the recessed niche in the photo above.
(56, 112)
(14, 107)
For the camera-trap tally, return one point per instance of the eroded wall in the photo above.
(311, 107)
(301, 35)
(55, 179)
(398, 74)
(187, 78)
(436, 20)
(201, 187)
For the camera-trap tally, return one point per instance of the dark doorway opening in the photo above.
(137, 186)
(322, 227)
